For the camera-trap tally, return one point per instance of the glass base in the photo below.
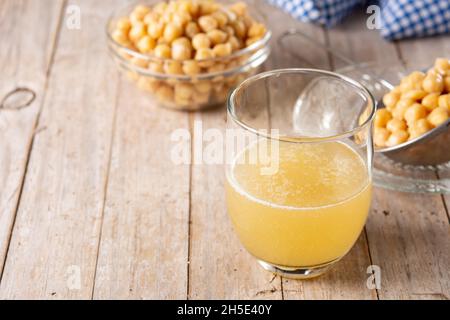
(297, 273)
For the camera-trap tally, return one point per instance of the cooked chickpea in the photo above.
(139, 13)
(120, 37)
(442, 65)
(382, 117)
(181, 18)
(235, 43)
(408, 84)
(396, 124)
(191, 68)
(155, 30)
(431, 101)
(251, 41)
(217, 36)
(447, 83)
(208, 7)
(146, 44)
(420, 127)
(173, 67)
(222, 50)
(184, 90)
(171, 32)
(141, 63)
(204, 54)
(433, 83)
(124, 24)
(221, 18)
(400, 108)
(414, 94)
(390, 100)
(181, 49)
(240, 8)
(414, 113)
(165, 93)
(191, 29)
(380, 137)
(203, 87)
(163, 51)
(201, 41)
(257, 30)
(200, 98)
(396, 138)
(240, 29)
(137, 31)
(208, 23)
(148, 84)
(156, 67)
(444, 101)
(438, 116)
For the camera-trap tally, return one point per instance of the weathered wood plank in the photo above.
(54, 244)
(144, 244)
(25, 58)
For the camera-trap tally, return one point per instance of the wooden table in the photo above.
(92, 207)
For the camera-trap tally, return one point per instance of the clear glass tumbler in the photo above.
(299, 168)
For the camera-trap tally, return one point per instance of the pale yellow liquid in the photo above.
(309, 213)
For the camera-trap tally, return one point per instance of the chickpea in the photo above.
(181, 18)
(191, 29)
(240, 8)
(151, 18)
(414, 113)
(396, 124)
(184, 91)
(447, 83)
(156, 67)
(165, 93)
(414, 95)
(408, 84)
(148, 84)
(222, 50)
(380, 137)
(120, 37)
(137, 31)
(257, 30)
(444, 101)
(438, 116)
(204, 54)
(201, 41)
(431, 101)
(141, 63)
(191, 68)
(173, 67)
(240, 29)
(200, 98)
(390, 100)
(181, 49)
(235, 43)
(155, 30)
(163, 51)
(160, 8)
(420, 127)
(433, 83)
(382, 117)
(146, 44)
(217, 36)
(171, 32)
(208, 7)
(251, 41)
(217, 67)
(203, 87)
(208, 23)
(139, 13)
(221, 17)
(396, 138)
(416, 76)
(441, 65)
(124, 24)
(401, 107)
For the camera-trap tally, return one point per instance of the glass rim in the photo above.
(231, 106)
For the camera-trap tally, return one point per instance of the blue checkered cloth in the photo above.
(398, 19)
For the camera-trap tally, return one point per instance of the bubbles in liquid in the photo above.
(309, 175)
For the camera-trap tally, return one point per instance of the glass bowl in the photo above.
(179, 91)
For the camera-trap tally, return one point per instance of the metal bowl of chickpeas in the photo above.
(412, 124)
(188, 54)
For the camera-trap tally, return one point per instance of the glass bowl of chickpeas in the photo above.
(188, 54)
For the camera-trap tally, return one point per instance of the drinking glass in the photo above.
(299, 168)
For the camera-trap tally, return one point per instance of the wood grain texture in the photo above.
(144, 244)
(25, 58)
(55, 240)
